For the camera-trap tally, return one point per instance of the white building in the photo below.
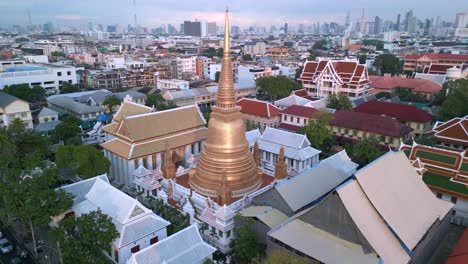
(299, 155)
(48, 76)
(12, 107)
(211, 28)
(172, 84)
(183, 247)
(137, 225)
(255, 48)
(47, 120)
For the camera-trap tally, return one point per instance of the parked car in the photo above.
(5, 246)
(16, 260)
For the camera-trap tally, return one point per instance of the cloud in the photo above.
(68, 17)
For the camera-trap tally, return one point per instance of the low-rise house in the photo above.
(291, 100)
(446, 173)
(277, 53)
(47, 120)
(137, 225)
(414, 62)
(362, 222)
(299, 155)
(259, 114)
(388, 84)
(295, 117)
(352, 126)
(138, 137)
(183, 247)
(453, 133)
(416, 118)
(12, 107)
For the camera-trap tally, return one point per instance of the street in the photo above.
(6, 258)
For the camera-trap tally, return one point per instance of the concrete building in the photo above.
(11, 108)
(426, 88)
(48, 76)
(416, 62)
(299, 155)
(137, 225)
(257, 48)
(325, 77)
(180, 65)
(278, 54)
(47, 120)
(294, 117)
(259, 114)
(195, 28)
(211, 29)
(173, 84)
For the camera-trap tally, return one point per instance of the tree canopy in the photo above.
(84, 160)
(68, 88)
(111, 101)
(22, 91)
(244, 245)
(321, 44)
(157, 101)
(379, 44)
(317, 132)
(388, 63)
(217, 75)
(452, 99)
(340, 102)
(57, 54)
(407, 95)
(91, 233)
(248, 57)
(275, 87)
(66, 131)
(364, 151)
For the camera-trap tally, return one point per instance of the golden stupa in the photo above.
(225, 168)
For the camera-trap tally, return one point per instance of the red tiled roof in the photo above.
(289, 127)
(455, 131)
(399, 111)
(438, 68)
(346, 71)
(381, 125)
(258, 108)
(299, 110)
(416, 85)
(438, 56)
(459, 253)
(301, 93)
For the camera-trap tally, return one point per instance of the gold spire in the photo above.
(226, 168)
(168, 167)
(256, 154)
(280, 166)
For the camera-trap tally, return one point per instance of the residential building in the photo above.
(299, 155)
(453, 133)
(277, 54)
(136, 138)
(361, 222)
(202, 64)
(445, 172)
(259, 114)
(48, 76)
(291, 100)
(11, 108)
(409, 115)
(295, 117)
(47, 120)
(249, 74)
(417, 62)
(257, 48)
(211, 29)
(179, 65)
(138, 226)
(172, 84)
(388, 84)
(88, 114)
(184, 247)
(353, 126)
(195, 28)
(325, 77)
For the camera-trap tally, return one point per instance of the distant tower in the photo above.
(398, 22)
(136, 26)
(29, 18)
(362, 24)
(347, 20)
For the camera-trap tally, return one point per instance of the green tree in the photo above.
(91, 233)
(455, 103)
(248, 57)
(317, 132)
(65, 130)
(22, 91)
(68, 88)
(207, 116)
(321, 44)
(57, 54)
(84, 160)
(340, 102)
(158, 102)
(283, 257)
(275, 87)
(217, 75)
(313, 55)
(244, 246)
(71, 119)
(362, 58)
(449, 86)
(388, 63)
(379, 44)
(111, 101)
(364, 151)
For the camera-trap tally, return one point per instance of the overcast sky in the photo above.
(153, 13)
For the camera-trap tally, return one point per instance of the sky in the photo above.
(152, 13)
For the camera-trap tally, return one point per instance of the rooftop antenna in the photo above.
(136, 27)
(29, 17)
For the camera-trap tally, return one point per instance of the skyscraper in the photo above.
(362, 25)
(347, 20)
(377, 25)
(398, 22)
(226, 169)
(301, 29)
(195, 29)
(211, 28)
(285, 28)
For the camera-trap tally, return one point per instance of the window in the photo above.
(220, 234)
(135, 163)
(69, 81)
(354, 133)
(154, 240)
(284, 118)
(364, 134)
(46, 119)
(24, 115)
(439, 195)
(339, 130)
(291, 119)
(390, 140)
(135, 249)
(59, 73)
(346, 131)
(453, 199)
(68, 73)
(228, 234)
(305, 121)
(418, 126)
(145, 162)
(297, 120)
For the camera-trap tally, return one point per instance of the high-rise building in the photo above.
(398, 22)
(347, 19)
(48, 27)
(90, 26)
(461, 20)
(377, 25)
(285, 28)
(408, 20)
(362, 24)
(195, 29)
(211, 28)
(226, 169)
(301, 29)
(171, 29)
(235, 30)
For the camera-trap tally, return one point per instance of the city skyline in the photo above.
(154, 13)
